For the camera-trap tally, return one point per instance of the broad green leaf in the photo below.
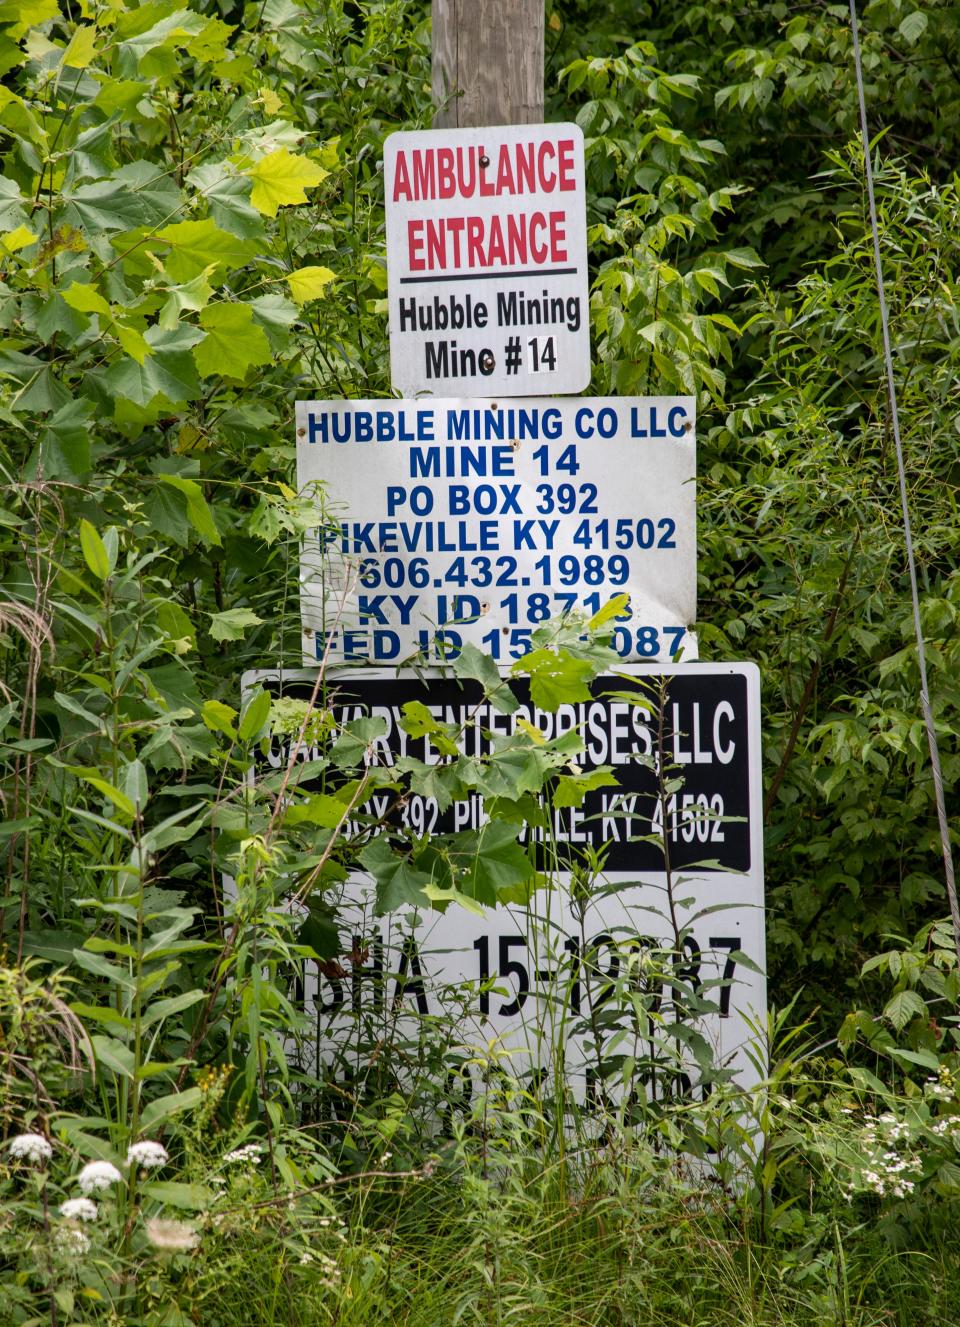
(282, 178)
(86, 299)
(418, 722)
(173, 1004)
(173, 29)
(166, 510)
(198, 509)
(25, 14)
(904, 1006)
(15, 240)
(474, 663)
(219, 718)
(309, 283)
(12, 212)
(233, 623)
(571, 789)
(233, 344)
(138, 194)
(399, 883)
(253, 716)
(169, 372)
(65, 443)
(556, 678)
(228, 194)
(101, 967)
(108, 1050)
(176, 625)
(81, 48)
(135, 783)
(94, 551)
(442, 898)
(318, 809)
(120, 799)
(132, 341)
(489, 861)
(189, 297)
(189, 249)
(913, 27)
(613, 608)
(172, 1104)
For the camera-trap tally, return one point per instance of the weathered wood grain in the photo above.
(487, 62)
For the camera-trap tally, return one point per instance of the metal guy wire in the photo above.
(904, 503)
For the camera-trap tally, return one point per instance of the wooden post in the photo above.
(487, 62)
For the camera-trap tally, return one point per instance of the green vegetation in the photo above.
(191, 237)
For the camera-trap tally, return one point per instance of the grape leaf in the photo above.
(282, 178)
(571, 790)
(81, 47)
(170, 371)
(233, 623)
(65, 443)
(233, 342)
(198, 510)
(555, 678)
(138, 194)
(228, 194)
(197, 247)
(309, 283)
(489, 860)
(399, 882)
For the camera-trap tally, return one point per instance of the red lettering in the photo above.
(475, 256)
(547, 182)
(424, 181)
(467, 184)
(525, 171)
(567, 181)
(505, 172)
(414, 245)
(496, 253)
(401, 181)
(436, 244)
(446, 185)
(516, 239)
(538, 222)
(455, 227)
(558, 237)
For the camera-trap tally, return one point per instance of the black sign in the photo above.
(692, 725)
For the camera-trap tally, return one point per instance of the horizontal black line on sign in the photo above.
(488, 276)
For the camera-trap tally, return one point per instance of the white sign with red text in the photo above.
(487, 261)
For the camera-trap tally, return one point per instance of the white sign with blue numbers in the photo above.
(454, 520)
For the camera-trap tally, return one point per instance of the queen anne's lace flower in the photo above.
(174, 1236)
(251, 1153)
(98, 1175)
(31, 1147)
(79, 1209)
(147, 1154)
(72, 1240)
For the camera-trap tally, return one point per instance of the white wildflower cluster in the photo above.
(249, 1155)
(72, 1241)
(98, 1176)
(79, 1209)
(31, 1148)
(947, 1126)
(887, 1171)
(328, 1266)
(147, 1154)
